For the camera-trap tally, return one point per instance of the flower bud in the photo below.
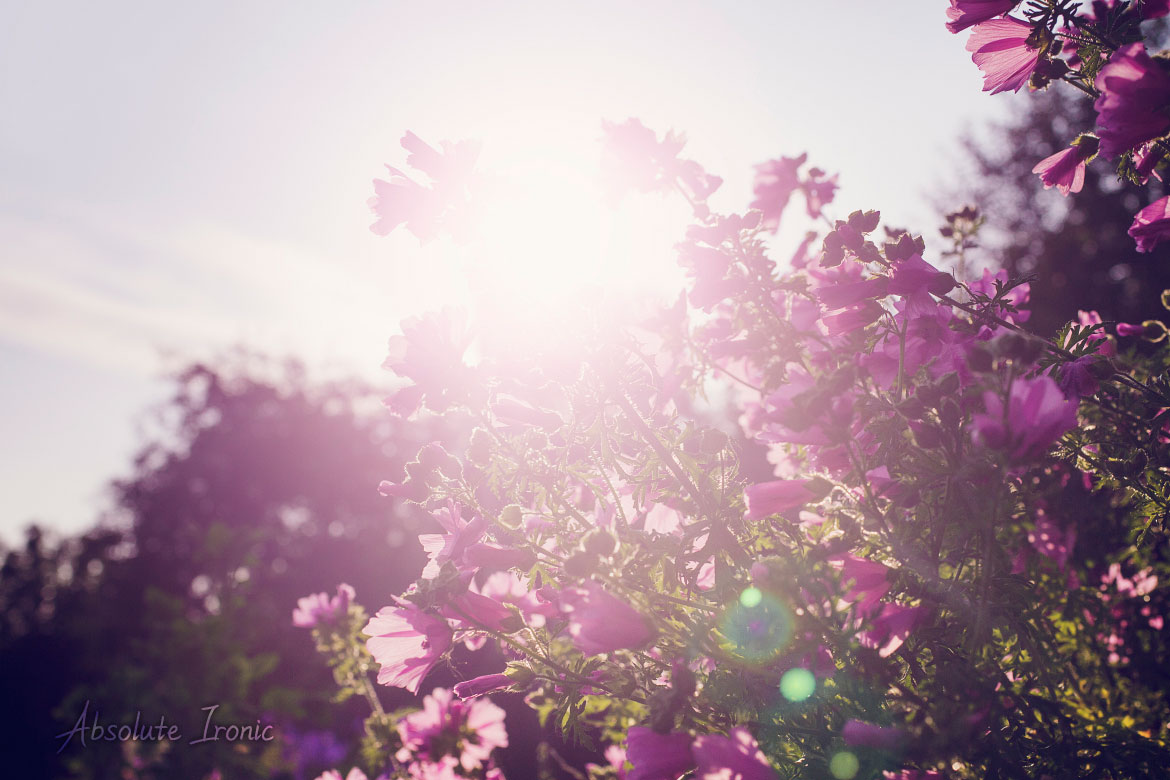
(599, 542)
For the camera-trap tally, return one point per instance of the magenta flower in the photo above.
(735, 756)
(870, 581)
(1065, 170)
(914, 277)
(775, 182)
(965, 13)
(479, 686)
(474, 611)
(1037, 414)
(769, 498)
(407, 642)
(1151, 225)
(1051, 540)
(615, 756)
(1000, 48)
(655, 756)
(601, 623)
(1131, 108)
(860, 734)
(449, 728)
(891, 628)
(319, 608)
(853, 319)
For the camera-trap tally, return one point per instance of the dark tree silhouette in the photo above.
(256, 493)
(1077, 247)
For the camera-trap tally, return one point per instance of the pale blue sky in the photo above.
(176, 178)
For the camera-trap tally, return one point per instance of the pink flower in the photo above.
(474, 611)
(407, 642)
(427, 211)
(734, 757)
(775, 182)
(769, 498)
(447, 727)
(1105, 345)
(1065, 170)
(965, 13)
(853, 319)
(860, 734)
(601, 623)
(634, 159)
(655, 756)
(615, 756)
(1000, 48)
(319, 608)
(450, 546)
(1037, 414)
(1151, 225)
(430, 354)
(1134, 93)
(818, 191)
(479, 686)
(333, 774)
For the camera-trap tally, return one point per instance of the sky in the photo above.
(176, 179)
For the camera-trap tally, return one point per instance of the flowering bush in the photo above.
(953, 569)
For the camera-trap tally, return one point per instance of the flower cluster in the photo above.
(889, 564)
(1099, 49)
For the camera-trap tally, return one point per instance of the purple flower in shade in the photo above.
(965, 13)
(775, 182)
(479, 686)
(1131, 108)
(769, 498)
(407, 642)
(860, 734)
(914, 278)
(1077, 378)
(1036, 415)
(467, 731)
(734, 757)
(847, 293)
(1128, 329)
(319, 608)
(655, 756)
(1000, 48)
(1154, 9)
(600, 622)
(1151, 225)
(891, 628)
(1065, 170)
(853, 319)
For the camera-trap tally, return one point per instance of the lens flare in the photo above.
(751, 597)
(797, 684)
(757, 626)
(844, 765)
